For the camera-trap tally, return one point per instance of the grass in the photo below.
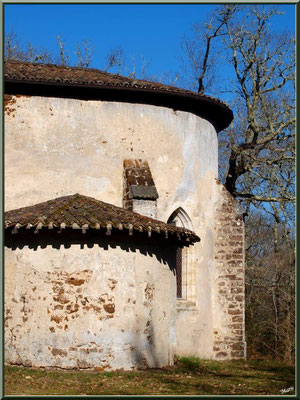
(190, 376)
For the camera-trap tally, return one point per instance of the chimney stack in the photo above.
(139, 191)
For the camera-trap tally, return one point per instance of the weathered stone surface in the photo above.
(125, 325)
(112, 307)
(229, 302)
(139, 191)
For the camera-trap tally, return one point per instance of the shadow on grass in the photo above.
(195, 365)
(271, 367)
(237, 368)
(188, 376)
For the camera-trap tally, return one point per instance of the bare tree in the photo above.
(138, 68)
(145, 65)
(33, 54)
(84, 53)
(264, 67)
(14, 51)
(257, 159)
(133, 72)
(270, 288)
(214, 28)
(262, 137)
(63, 56)
(115, 58)
(12, 48)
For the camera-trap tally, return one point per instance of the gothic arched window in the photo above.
(180, 218)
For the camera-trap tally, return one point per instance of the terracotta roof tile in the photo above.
(82, 212)
(50, 73)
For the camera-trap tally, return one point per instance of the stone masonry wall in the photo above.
(180, 148)
(99, 304)
(229, 283)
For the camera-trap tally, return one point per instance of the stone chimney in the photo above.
(139, 191)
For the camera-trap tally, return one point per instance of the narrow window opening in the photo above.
(180, 218)
(179, 272)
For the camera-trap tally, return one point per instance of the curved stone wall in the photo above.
(57, 146)
(99, 304)
(62, 146)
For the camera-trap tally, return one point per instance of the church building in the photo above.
(122, 249)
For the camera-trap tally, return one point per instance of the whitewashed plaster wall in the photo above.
(90, 307)
(56, 147)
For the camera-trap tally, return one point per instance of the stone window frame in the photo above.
(180, 217)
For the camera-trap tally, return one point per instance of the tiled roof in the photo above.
(17, 71)
(82, 212)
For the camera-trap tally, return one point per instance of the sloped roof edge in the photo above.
(83, 212)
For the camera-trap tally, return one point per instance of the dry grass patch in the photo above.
(190, 376)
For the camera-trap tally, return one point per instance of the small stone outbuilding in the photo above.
(122, 249)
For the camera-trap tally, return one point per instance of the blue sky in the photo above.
(154, 30)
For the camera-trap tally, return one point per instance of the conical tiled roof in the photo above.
(17, 72)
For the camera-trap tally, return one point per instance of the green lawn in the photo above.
(189, 376)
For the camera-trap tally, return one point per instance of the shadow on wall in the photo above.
(145, 353)
(163, 250)
(145, 350)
